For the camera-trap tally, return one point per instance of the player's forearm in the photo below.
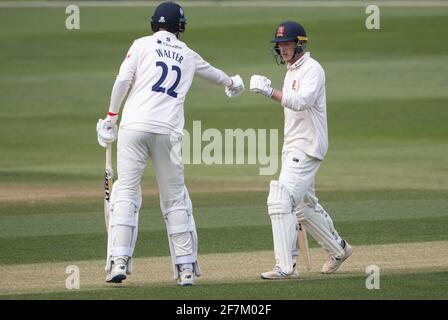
(277, 95)
(212, 74)
(295, 101)
(286, 101)
(223, 78)
(119, 92)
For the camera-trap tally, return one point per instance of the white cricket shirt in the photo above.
(305, 108)
(160, 68)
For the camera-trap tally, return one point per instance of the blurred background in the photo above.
(385, 177)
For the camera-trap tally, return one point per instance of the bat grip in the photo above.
(109, 156)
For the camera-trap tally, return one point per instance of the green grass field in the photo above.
(384, 180)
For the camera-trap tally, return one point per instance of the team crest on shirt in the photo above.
(280, 31)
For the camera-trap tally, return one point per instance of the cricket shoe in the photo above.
(186, 278)
(333, 263)
(118, 272)
(278, 274)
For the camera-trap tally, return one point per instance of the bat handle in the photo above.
(109, 156)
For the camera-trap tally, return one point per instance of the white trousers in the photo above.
(133, 150)
(298, 176)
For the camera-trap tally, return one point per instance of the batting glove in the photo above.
(236, 88)
(260, 84)
(106, 130)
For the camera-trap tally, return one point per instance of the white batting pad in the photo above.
(123, 227)
(179, 229)
(182, 235)
(320, 225)
(284, 225)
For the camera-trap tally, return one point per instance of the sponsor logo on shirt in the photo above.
(174, 46)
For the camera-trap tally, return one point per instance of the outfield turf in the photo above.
(384, 180)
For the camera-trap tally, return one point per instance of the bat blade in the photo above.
(302, 240)
(108, 182)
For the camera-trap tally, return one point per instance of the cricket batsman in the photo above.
(156, 75)
(292, 198)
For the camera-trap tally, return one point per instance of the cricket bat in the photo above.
(108, 182)
(302, 240)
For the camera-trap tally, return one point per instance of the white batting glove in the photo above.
(236, 88)
(106, 130)
(261, 84)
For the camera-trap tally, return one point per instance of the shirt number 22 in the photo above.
(157, 86)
